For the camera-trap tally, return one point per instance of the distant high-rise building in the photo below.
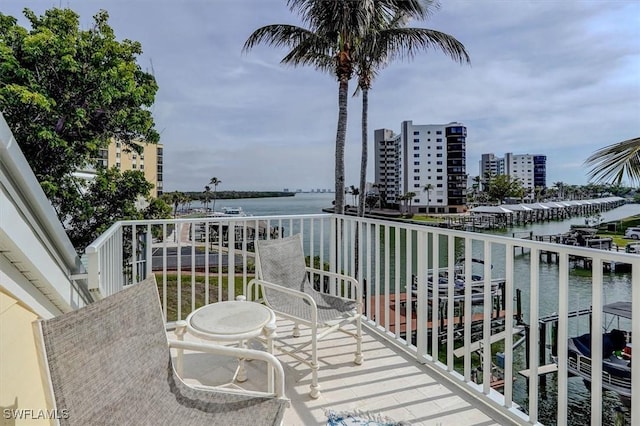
(149, 161)
(423, 156)
(387, 164)
(531, 170)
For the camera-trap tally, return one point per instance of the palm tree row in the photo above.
(347, 38)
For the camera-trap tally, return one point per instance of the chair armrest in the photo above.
(296, 293)
(237, 353)
(353, 281)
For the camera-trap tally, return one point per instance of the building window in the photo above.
(133, 166)
(438, 177)
(439, 147)
(439, 163)
(416, 163)
(141, 166)
(438, 155)
(416, 178)
(416, 140)
(439, 200)
(439, 170)
(416, 185)
(416, 155)
(439, 140)
(415, 148)
(416, 200)
(415, 132)
(117, 155)
(439, 132)
(416, 170)
(117, 144)
(439, 185)
(118, 165)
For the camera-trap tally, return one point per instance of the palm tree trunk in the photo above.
(365, 150)
(340, 142)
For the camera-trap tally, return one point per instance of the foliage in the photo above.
(174, 199)
(110, 197)
(215, 182)
(612, 162)
(503, 186)
(65, 93)
(334, 28)
(387, 38)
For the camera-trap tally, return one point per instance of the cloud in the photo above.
(553, 78)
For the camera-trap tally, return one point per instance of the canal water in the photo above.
(617, 286)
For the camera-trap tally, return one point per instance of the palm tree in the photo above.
(354, 192)
(409, 196)
(388, 39)
(334, 28)
(427, 188)
(612, 162)
(207, 196)
(560, 188)
(215, 182)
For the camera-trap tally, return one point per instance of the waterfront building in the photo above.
(149, 161)
(431, 155)
(530, 169)
(387, 165)
(42, 276)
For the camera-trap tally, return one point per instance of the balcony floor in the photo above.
(389, 382)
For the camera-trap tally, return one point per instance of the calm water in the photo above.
(616, 287)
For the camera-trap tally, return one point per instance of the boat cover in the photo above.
(622, 309)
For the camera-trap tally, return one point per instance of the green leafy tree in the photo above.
(66, 93)
(503, 186)
(110, 197)
(215, 182)
(384, 41)
(173, 199)
(334, 29)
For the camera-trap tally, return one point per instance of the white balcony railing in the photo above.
(208, 259)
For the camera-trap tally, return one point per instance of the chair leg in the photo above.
(358, 359)
(315, 387)
(296, 330)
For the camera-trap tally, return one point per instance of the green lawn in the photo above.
(186, 292)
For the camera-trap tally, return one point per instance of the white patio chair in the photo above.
(109, 363)
(283, 277)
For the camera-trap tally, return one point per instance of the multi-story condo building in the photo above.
(423, 156)
(531, 170)
(149, 161)
(387, 165)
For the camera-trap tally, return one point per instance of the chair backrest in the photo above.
(105, 356)
(281, 261)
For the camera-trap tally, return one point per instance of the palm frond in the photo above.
(612, 162)
(278, 35)
(405, 43)
(313, 52)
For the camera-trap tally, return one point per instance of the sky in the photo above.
(559, 78)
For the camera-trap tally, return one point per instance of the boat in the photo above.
(616, 360)
(229, 212)
(476, 284)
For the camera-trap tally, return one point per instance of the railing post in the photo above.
(93, 270)
(149, 255)
(421, 321)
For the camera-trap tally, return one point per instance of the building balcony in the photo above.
(424, 363)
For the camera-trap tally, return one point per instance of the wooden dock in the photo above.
(397, 321)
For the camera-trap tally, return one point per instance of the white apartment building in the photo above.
(431, 155)
(530, 169)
